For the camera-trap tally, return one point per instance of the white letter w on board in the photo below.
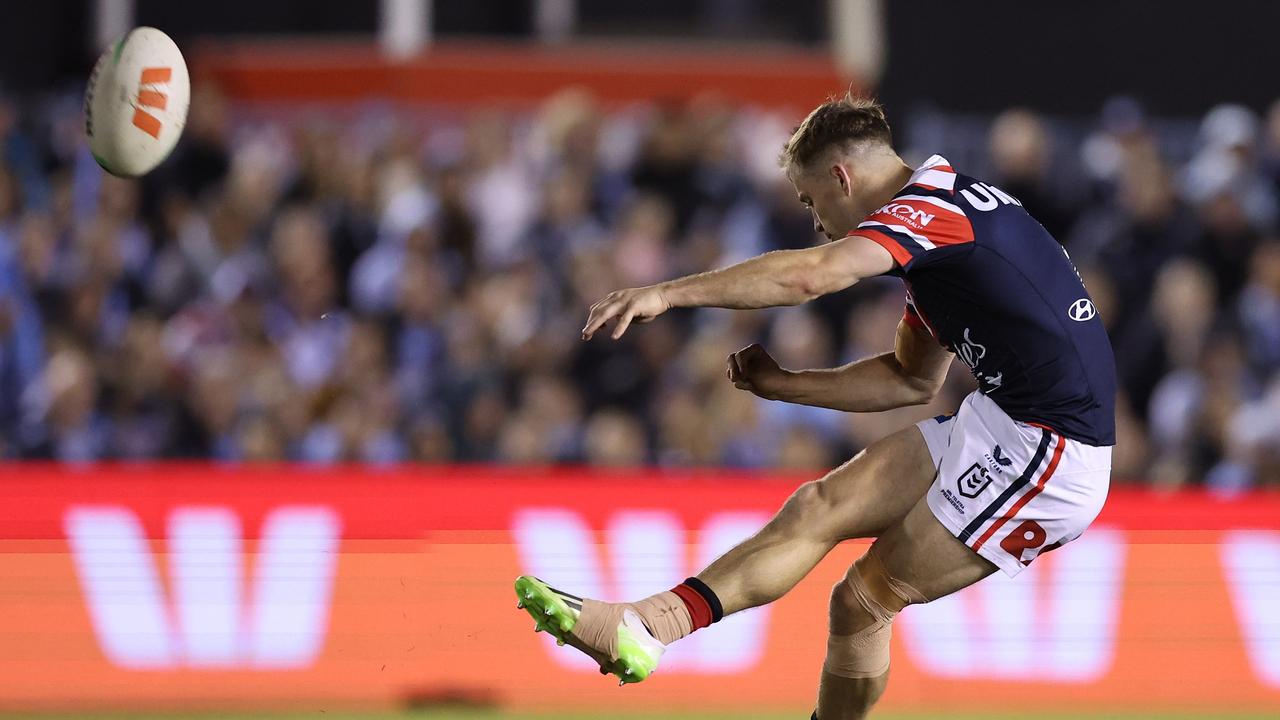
(210, 620)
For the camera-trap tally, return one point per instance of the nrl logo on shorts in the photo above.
(973, 481)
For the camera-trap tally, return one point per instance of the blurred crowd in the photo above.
(380, 286)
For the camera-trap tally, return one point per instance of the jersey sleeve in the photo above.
(916, 222)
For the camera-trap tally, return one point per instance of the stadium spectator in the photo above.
(373, 288)
(1022, 157)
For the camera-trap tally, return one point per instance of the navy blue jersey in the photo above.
(994, 287)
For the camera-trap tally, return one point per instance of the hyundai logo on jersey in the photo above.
(1082, 310)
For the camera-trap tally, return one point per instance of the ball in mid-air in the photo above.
(136, 104)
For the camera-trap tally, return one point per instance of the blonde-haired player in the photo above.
(1022, 467)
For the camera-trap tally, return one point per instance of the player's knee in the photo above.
(869, 594)
(809, 506)
(863, 607)
(847, 614)
(858, 641)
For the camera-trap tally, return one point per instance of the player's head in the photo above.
(836, 159)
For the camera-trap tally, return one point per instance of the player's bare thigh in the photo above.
(865, 496)
(923, 553)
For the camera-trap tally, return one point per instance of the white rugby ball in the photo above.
(136, 104)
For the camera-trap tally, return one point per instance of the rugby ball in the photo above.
(136, 104)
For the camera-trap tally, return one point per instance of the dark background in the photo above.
(1176, 57)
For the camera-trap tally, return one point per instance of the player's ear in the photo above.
(841, 175)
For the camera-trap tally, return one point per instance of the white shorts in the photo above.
(1010, 490)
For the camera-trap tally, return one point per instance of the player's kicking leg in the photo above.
(862, 498)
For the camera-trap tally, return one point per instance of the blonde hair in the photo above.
(838, 121)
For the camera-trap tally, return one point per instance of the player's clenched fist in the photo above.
(627, 306)
(753, 369)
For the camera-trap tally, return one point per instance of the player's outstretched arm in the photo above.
(910, 375)
(783, 277)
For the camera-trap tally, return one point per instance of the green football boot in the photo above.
(557, 612)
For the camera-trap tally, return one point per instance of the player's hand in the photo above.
(754, 370)
(626, 306)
